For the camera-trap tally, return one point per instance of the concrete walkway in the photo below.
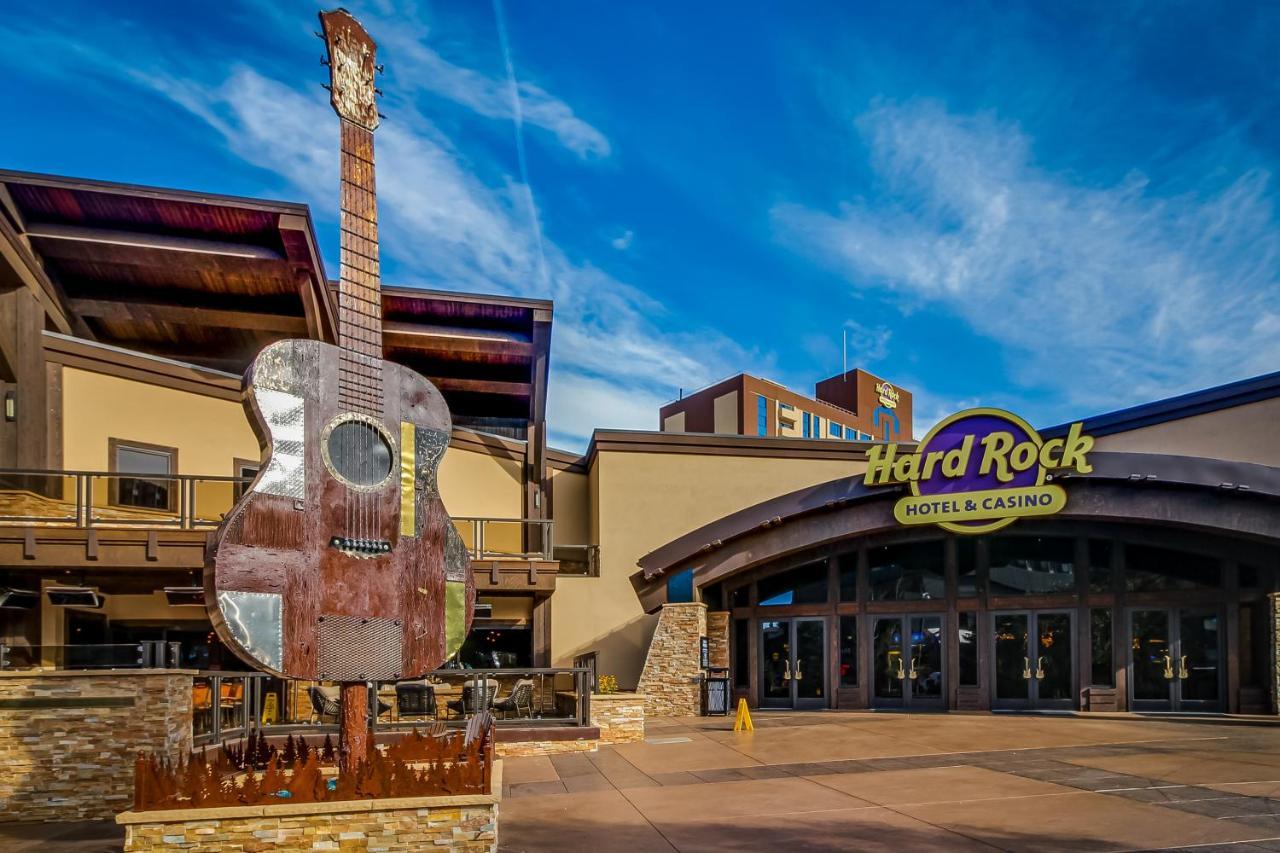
(842, 781)
(877, 782)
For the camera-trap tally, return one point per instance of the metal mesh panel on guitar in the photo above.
(351, 648)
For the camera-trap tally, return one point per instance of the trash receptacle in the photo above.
(715, 692)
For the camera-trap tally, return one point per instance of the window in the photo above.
(848, 651)
(804, 585)
(245, 470)
(155, 491)
(680, 587)
(967, 629)
(1102, 673)
(808, 424)
(1025, 565)
(742, 653)
(1248, 577)
(966, 568)
(837, 431)
(1100, 570)
(907, 572)
(848, 566)
(762, 415)
(1150, 569)
(496, 648)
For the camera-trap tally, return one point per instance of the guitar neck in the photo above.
(359, 295)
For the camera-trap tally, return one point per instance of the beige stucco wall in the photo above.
(209, 433)
(641, 501)
(725, 413)
(571, 507)
(480, 484)
(1248, 433)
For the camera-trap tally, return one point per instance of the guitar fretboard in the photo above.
(359, 294)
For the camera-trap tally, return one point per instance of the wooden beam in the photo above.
(183, 315)
(482, 386)
(138, 240)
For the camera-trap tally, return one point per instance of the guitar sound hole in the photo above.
(359, 453)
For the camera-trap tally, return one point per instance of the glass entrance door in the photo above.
(1176, 660)
(793, 666)
(907, 670)
(1034, 662)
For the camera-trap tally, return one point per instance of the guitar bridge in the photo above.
(360, 548)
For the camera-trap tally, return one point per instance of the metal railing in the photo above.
(228, 705)
(149, 654)
(109, 499)
(188, 502)
(496, 538)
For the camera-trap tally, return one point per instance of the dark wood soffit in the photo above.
(183, 315)
(15, 252)
(152, 370)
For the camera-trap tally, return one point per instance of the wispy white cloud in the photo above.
(866, 344)
(1107, 294)
(445, 221)
(622, 242)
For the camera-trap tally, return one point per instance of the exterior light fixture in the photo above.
(74, 596)
(18, 599)
(184, 596)
(10, 406)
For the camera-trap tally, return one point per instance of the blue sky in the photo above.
(1059, 208)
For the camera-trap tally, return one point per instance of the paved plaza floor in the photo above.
(894, 782)
(878, 782)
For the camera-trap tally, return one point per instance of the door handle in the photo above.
(912, 673)
(1026, 668)
(786, 670)
(799, 674)
(1168, 667)
(1183, 672)
(902, 672)
(1040, 667)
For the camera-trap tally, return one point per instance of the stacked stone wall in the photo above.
(619, 716)
(466, 824)
(718, 638)
(671, 680)
(68, 740)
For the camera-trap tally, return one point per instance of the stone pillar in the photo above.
(671, 680)
(718, 638)
(68, 739)
(619, 716)
(1273, 602)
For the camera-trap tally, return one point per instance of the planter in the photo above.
(455, 823)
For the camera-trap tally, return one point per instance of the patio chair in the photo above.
(477, 727)
(477, 696)
(519, 700)
(415, 699)
(324, 703)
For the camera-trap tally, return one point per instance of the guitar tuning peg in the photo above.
(382, 115)
(318, 34)
(378, 92)
(381, 69)
(326, 87)
(324, 60)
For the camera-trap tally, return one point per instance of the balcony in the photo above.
(58, 519)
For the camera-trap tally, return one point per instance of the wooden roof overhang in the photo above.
(488, 355)
(1214, 496)
(207, 279)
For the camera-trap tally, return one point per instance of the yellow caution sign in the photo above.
(743, 721)
(270, 709)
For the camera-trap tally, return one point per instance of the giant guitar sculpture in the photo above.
(340, 562)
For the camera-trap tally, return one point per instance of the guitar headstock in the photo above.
(351, 68)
